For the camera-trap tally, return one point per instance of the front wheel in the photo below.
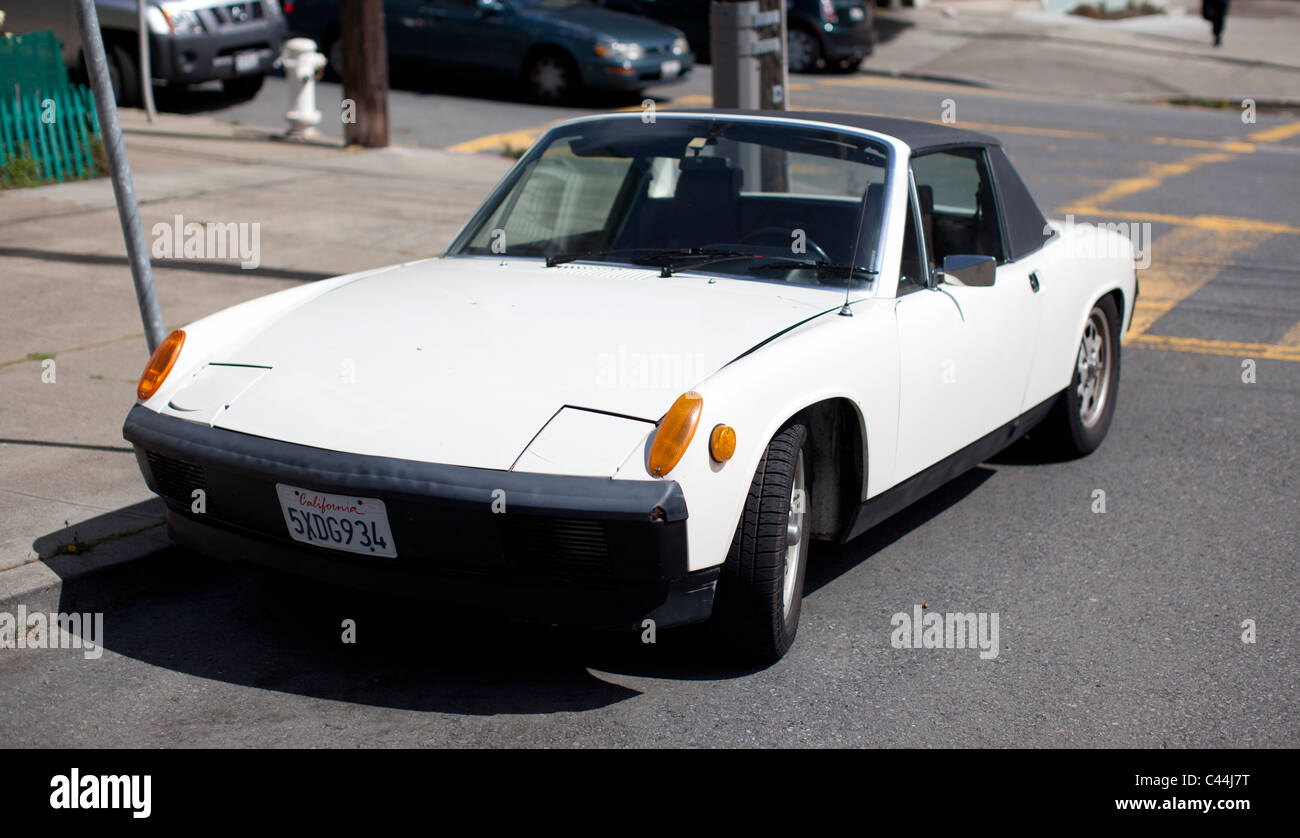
(760, 591)
(123, 75)
(1080, 419)
(803, 51)
(551, 77)
(332, 49)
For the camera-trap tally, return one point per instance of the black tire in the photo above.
(551, 77)
(750, 610)
(332, 48)
(124, 76)
(803, 50)
(243, 87)
(1081, 416)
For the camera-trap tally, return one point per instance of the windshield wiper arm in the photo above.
(561, 258)
(667, 260)
(819, 265)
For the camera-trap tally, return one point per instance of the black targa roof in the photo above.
(1025, 228)
(920, 136)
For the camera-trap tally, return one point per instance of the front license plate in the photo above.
(246, 62)
(669, 69)
(339, 522)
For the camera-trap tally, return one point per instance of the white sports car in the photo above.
(662, 357)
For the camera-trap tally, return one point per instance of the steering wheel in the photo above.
(784, 235)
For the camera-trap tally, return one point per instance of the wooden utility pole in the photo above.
(773, 93)
(365, 72)
(773, 90)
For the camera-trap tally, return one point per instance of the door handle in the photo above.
(1033, 281)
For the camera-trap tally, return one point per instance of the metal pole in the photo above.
(128, 212)
(146, 71)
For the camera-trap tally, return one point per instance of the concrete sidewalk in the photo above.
(69, 487)
(1014, 44)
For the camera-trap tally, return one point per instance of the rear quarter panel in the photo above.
(1076, 269)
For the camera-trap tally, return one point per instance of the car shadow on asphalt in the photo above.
(242, 625)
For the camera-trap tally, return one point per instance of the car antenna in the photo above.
(845, 310)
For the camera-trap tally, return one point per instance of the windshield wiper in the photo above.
(592, 255)
(819, 265)
(666, 259)
(697, 257)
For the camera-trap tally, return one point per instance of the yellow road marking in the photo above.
(1167, 282)
(1268, 351)
(1156, 174)
(1213, 223)
(1277, 132)
(522, 138)
(1236, 147)
(1292, 337)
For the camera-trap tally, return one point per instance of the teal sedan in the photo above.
(555, 47)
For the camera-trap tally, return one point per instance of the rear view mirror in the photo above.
(969, 270)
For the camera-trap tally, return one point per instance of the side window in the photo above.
(958, 211)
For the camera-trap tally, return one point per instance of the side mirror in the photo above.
(969, 270)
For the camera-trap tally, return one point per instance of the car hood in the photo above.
(597, 21)
(465, 360)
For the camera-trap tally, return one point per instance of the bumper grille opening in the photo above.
(175, 479)
(555, 545)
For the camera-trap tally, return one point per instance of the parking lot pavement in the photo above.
(1120, 627)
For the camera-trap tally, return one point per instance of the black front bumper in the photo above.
(193, 59)
(582, 551)
(849, 40)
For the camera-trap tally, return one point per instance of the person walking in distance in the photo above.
(1215, 11)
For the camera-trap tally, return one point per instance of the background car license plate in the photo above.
(246, 62)
(670, 68)
(339, 522)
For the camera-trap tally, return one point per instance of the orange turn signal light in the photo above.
(676, 430)
(722, 443)
(160, 364)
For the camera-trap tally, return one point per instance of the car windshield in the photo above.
(753, 198)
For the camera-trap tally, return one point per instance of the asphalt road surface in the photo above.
(1116, 628)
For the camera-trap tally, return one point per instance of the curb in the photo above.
(38, 585)
(941, 78)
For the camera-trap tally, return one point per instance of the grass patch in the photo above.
(22, 170)
(1099, 12)
(39, 356)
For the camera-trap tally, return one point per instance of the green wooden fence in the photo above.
(49, 131)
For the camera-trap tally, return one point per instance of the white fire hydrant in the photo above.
(303, 65)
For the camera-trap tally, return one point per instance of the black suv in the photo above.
(828, 34)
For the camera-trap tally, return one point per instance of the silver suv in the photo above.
(190, 41)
